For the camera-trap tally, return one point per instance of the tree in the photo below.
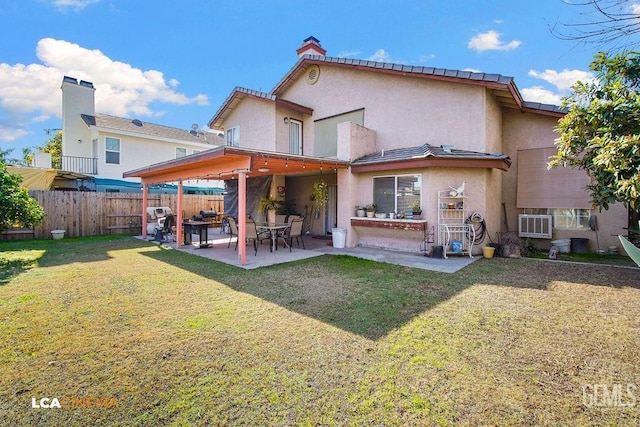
(606, 23)
(601, 131)
(52, 146)
(17, 208)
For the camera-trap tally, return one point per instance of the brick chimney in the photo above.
(311, 46)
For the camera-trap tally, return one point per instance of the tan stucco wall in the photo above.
(525, 131)
(257, 121)
(299, 191)
(403, 111)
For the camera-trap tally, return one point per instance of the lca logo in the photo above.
(74, 402)
(46, 403)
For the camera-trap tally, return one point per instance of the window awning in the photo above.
(539, 187)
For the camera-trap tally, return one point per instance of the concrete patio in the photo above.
(218, 250)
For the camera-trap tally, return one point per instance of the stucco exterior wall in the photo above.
(76, 100)
(525, 131)
(403, 111)
(257, 121)
(282, 130)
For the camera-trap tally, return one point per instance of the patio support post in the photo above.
(145, 203)
(242, 216)
(179, 216)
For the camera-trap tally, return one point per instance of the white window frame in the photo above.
(293, 149)
(574, 216)
(107, 150)
(411, 197)
(181, 152)
(233, 136)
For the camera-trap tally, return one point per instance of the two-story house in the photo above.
(396, 136)
(105, 146)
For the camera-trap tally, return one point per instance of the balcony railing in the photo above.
(86, 165)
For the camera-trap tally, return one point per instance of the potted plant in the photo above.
(360, 211)
(416, 209)
(371, 210)
(437, 251)
(269, 205)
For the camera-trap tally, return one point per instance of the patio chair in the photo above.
(294, 230)
(166, 232)
(252, 235)
(233, 230)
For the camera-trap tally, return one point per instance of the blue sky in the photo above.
(174, 62)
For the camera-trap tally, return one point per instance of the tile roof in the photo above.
(503, 84)
(135, 126)
(425, 151)
(495, 81)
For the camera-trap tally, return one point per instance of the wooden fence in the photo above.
(92, 214)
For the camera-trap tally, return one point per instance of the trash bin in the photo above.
(564, 245)
(579, 245)
(338, 235)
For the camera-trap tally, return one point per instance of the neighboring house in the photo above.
(105, 146)
(410, 134)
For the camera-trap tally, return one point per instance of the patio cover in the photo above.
(43, 178)
(225, 163)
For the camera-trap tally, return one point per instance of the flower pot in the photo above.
(360, 212)
(370, 214)
(57, 234)
(488, 251)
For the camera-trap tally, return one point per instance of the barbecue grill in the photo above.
(208, 215)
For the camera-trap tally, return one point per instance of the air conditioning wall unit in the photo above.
(535, 226)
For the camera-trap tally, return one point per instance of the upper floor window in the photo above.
(397, 193)
(233, 136)
(112, 150)
(180, 152)
(295, 136)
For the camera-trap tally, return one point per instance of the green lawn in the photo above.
(167, 338)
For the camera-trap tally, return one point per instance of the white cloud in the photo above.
(540, 94)
(472, 70)
(561, 80)
(380, 56)
(347, 54)
(73, 4)
(635, 8)
(491, 41)
(8, 134)
(427, 58)
(564, 79)
(121, 89)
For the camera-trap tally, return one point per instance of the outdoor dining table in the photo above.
(273, 228)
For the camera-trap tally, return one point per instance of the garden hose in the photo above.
(477, 220)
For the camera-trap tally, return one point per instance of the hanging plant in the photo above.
(269, 204)
(320, 194)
